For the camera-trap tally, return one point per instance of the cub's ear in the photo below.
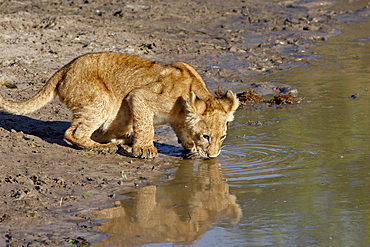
(194, 105)
(230, 103)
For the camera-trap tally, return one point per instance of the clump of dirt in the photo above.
(355, 96)
(249, 97)
(285, 100)
(254, 123)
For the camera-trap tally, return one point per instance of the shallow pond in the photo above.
(300, 179)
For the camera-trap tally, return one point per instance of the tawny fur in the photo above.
(117, 98)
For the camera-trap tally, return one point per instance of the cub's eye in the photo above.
(206, 137)
(222, 137)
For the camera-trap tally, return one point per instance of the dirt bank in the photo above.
(49, 189)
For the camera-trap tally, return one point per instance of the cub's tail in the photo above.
(44, 96)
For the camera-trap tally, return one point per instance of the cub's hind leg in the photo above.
(119, 130)
(81, 130)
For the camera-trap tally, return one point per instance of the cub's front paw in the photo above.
(147, 152)
(108, 148)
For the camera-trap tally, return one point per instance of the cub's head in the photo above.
(206, 122)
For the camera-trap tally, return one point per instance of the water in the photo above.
(306, 179)
(301, 179)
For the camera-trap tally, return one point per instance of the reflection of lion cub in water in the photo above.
(116, 99)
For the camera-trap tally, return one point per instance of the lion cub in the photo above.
(117, 98)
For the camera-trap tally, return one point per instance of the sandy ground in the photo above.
(48, 189)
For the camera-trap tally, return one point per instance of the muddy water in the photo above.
(304, 177)
(300, 179)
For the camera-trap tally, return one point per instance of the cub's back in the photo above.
(116, 73)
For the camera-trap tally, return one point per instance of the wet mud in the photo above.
(49, 189)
